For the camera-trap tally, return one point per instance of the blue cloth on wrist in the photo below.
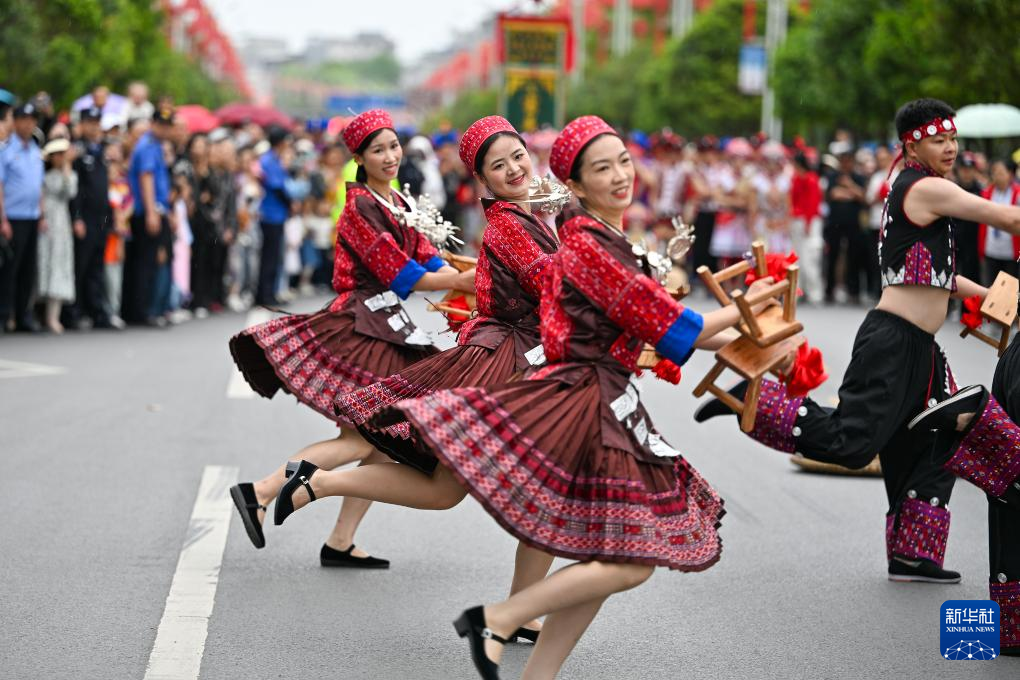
(405, 279)
(677, 343)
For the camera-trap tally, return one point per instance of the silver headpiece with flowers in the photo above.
(549, 195)
(680, 244)
(425, 218)
(676, 248)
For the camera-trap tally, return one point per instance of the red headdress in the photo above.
(935, 126)
(569, 143)
(477, 134)
(363, 125)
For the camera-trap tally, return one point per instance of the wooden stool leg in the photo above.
(750, 405)
(710, 378)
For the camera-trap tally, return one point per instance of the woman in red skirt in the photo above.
(363, 336)
(501, 342)
(567, 460)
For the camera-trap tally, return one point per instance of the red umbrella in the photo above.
(240, 113)
(197, 118)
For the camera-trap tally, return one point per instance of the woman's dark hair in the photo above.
(918, 112)
(194, 140)
(575, 169)
(487, 144)
(361, 175)
(801, 161)
(1005, 162)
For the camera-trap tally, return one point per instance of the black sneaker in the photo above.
(714, 407)
(942, 416)
(331, 557)
(926, 571)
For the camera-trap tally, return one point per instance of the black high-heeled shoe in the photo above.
(297, 473)
(471, 624)
(528, 634)
(248, 506)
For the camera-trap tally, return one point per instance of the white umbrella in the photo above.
(988, 121)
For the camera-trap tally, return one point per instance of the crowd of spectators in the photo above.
(108, 220)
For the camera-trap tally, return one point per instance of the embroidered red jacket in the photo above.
(516, 252)
(374, 252)
(599, 299)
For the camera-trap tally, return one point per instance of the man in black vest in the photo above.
(93, 220)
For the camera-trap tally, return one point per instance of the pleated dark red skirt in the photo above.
(316, 357)
(531, 453)
(460, 366)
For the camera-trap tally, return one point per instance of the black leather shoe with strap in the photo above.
(331, 557)
(248, 507)
(471, 624)
(297, 473)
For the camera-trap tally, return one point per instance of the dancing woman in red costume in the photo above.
(501, 342)
(363, 336)
(567, 460)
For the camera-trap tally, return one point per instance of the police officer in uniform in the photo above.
(93, 219)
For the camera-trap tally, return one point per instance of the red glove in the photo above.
(668, 371)
(453, 319)
(971, 316)
(775, 265)
(807, 372)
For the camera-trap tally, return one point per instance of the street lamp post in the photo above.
(621, 27)
(775, 34)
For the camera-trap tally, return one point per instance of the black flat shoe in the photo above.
(331, 557)
(942, 416)
(714, 407)
(248, 507)
(297, 473)
(926, 571)
(471, 625)
(525, 634)
(1009, 651)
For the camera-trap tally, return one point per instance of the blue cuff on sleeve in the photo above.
(435, 263)
(678, 340)
(406, 278)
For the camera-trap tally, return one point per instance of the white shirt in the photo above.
(998, 243)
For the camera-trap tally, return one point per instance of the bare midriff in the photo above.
(924, 306)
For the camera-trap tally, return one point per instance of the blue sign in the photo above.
(345, 104)
(751, 70)
(969, 630)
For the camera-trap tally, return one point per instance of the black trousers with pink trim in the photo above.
(895, 370)
(1003, 518)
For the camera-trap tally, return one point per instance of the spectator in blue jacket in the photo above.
(275, 210)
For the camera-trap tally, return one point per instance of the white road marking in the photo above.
(180, 640)
(238, 387)
(21, 369)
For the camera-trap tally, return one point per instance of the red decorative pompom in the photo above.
(775, 264)
(453, 319)
(668, 371)
(807, 372)
(971, 317)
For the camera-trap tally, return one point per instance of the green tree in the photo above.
(692, 86)
(819, 77)
(67, 46)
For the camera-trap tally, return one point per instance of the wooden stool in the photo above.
(766, 339)
(999, 309)
(752, 363)
(461, 263)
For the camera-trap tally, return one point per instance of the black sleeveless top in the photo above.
(911, 255)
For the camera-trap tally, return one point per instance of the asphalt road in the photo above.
(102, 464)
